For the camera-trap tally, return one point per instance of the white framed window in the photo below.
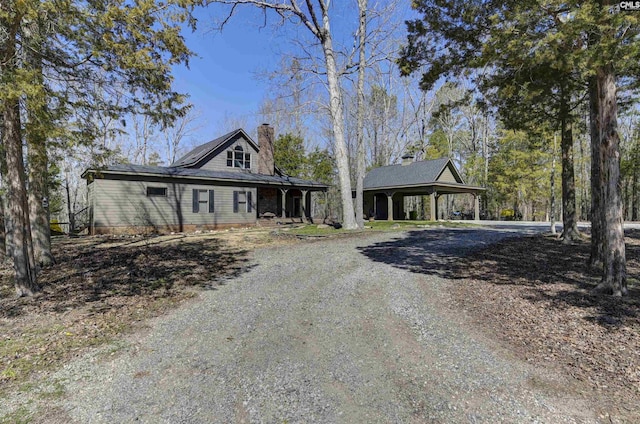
(237, 158)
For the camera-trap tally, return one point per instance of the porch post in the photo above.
(304, 205)
(476, 206)
(326, 205)
(389, 205)
(283, 195)
(434, 206)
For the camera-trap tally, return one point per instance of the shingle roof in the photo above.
(198, 153)
(416, 173)
(239, 176)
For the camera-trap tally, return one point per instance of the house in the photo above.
(386, 187)
(229, 181)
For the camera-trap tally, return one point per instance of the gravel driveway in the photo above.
(330, 331)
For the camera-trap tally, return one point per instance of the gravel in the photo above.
(319, 332)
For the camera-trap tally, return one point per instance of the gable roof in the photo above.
(202, 174)
(413, 174)
(200, 152)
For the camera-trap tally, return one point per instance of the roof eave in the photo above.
(430, 184)
(193, 177)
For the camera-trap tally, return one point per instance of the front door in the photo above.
(297, 210)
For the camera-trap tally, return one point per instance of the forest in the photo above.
(521, 96)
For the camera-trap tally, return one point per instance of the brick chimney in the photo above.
(265, 156)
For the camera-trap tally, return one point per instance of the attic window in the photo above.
(237, 158)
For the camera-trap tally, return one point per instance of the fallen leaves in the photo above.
(534, 293)
(101, 287)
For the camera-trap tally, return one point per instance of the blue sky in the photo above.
(222, 80)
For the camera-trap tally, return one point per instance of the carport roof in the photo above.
(416, 174)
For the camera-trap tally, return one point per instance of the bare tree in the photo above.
(314, 16)
(176, 135)
(232, 122)
(360, 106)
(144, 136)
(291, 97)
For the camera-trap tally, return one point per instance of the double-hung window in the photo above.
(242, 201)
(203, 201)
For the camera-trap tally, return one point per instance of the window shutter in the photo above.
(249, 201)
(211, 205)
(196, 201)
(235, 202)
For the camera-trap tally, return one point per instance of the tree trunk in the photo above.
(38, 193)
(553, 187)
(7, 248)
(635, 181)
(337, 118)
(3, 232)
(634, 193)
(570, 231)
(37, 155)
(17, 210)
(596, 255)
(7, 235)
(360, 153)
(614, 275)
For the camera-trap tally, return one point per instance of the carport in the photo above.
(386, 187)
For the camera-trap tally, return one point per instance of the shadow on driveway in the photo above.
(541, 268)
(433, 251)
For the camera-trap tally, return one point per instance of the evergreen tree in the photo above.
(289, 154)
(578, 40)
(93, 48)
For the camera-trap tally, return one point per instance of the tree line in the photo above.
(540, 63)
(521, 96)
(540, 71)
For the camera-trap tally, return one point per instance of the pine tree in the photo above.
(580, 40)
(92, 49)
(289, 154)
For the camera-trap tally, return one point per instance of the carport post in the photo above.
(434, 206)
(476, 206)
(389, 205)
(304, 205)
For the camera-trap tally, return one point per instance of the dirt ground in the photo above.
(104, 286)
(534, 294)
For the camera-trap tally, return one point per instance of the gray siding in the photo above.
(219, 162)
(90, 203)
(120, 203)
(447, 176)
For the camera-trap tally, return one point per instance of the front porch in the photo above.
(284, 203)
